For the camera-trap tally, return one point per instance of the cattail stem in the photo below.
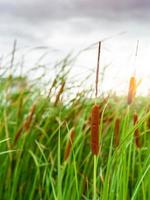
(97, 70)
(94, 178)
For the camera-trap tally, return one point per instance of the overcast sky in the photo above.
(68, 25)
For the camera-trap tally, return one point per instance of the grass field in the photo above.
(46, 149)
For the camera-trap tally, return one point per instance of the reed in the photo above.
(59, 93)
(29, 119)
(69, 144)
(26, 125)
(136, 132)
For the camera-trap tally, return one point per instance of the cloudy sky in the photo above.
(70, 25)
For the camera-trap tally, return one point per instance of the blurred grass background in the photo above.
(35, 130)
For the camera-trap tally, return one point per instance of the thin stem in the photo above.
(94, 178)
(97, 70)
(13, 56)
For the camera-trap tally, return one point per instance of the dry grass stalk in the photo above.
(26, 125)
(29, 119)
(132, 90)
(69, 144)
(59, 93)
(108, 120)
(95, 129)
(116, 132)
(52, 86)
(136, 132)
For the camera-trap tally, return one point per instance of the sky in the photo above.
(64, 26)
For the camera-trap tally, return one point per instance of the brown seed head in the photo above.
(28, 121)
(18, 134)
(95, 129)
(25, 125)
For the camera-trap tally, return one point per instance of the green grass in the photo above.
(34, 166)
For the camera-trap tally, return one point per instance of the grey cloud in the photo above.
(36, 20)
(46, 10)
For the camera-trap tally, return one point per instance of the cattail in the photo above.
(136, 132)
(95, 114)
(25, 125)
(116, 132)
(29, 119)
(18, 134)
(59, 93)
(132, 90)
(95, 129)
(69, 144)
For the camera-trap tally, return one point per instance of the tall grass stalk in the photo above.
(95, 178)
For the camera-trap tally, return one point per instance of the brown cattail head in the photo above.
(69, 144)
(132, 89)
(136, 132)
(116, 132)
(25, 125)
(18, 134)
(95, 129)
(28, 121)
